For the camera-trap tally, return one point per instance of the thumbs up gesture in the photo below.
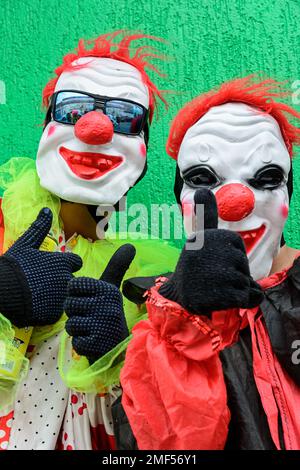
(215, 276)
(33, 283)
(95, 308)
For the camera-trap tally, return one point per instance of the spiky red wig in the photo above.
(106, 46)
(243, 90)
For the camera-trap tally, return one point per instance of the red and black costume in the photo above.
(215, 366)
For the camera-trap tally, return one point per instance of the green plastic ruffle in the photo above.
(153, 257)
(23, 198)
(13, 364)
(95, 378)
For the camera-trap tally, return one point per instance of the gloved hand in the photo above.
(95, 308)
(217, 276)
(33, 283)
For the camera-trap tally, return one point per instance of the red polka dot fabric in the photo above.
(5, 428)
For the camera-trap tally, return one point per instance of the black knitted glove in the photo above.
(95, 308)
(33, 283)
(217, 276)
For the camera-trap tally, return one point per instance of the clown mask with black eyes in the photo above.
(93, 148)
(239, 147)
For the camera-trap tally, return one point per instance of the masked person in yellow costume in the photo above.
(92, 151)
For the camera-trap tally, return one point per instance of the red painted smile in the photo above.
(252, 237)
(89, 165)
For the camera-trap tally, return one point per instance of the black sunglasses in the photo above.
(127, 117)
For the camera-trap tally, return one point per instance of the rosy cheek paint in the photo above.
(143, 150)
(284, 211)
(51, 130)
(187, 207)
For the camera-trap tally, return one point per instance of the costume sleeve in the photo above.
(281, 311)
(174, 393)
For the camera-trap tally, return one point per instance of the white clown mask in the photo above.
(88, 162)
(239, 153)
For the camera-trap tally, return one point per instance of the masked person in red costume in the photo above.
(215, 365)
(92, 151)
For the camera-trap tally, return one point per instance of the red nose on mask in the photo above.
(94, 128)
(235, 201)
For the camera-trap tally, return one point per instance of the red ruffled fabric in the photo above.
(174, 393)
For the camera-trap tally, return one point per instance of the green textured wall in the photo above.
(212, 40)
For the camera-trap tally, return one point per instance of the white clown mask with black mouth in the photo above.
(239, 153)
(87, 162)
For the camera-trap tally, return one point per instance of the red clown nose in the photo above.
(94, 129)
(235, 201)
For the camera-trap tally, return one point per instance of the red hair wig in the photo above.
(105, 46)
(260, 95)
